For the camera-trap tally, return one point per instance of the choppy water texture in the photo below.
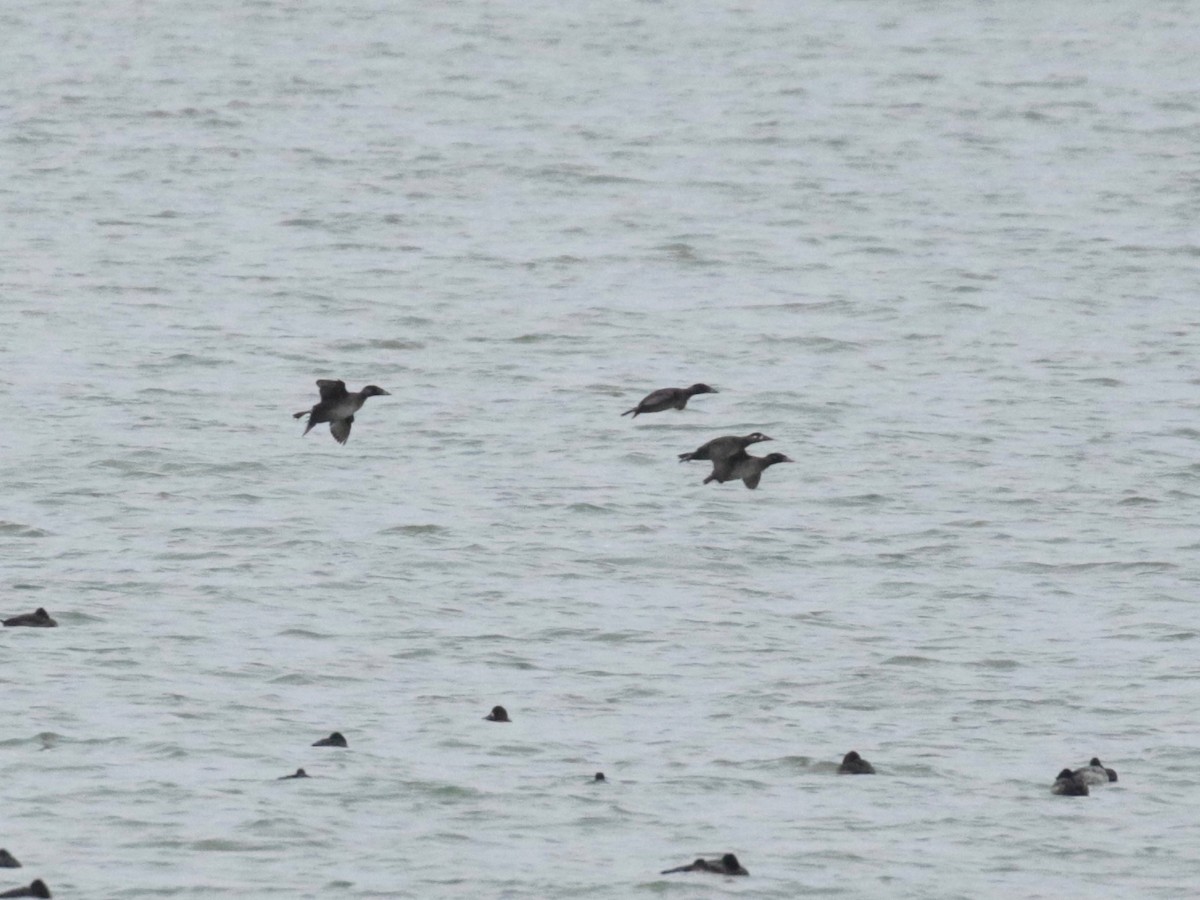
(945, 254)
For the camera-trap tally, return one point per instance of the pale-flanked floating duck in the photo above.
(1096, 773)
(338, 406)
(722, 447)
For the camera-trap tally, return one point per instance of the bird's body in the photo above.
(668, 398)
(38, 619)
(853, 764)
(299, 773)
(8, 861)
(726, 865)
(1069, 785)
(744, 466)
(334, 740)
(722, 447)
(337, 407)
(37, 888)
(1095, 773)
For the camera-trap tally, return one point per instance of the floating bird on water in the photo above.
(338, 406)
(38, 619)
(719, 448)
(1095, 773)
(37, 888)
(853, 764)
(1069, 785)
(599, 777)
(668, 398)
(334, 740)
(8, 861)
(498, 714)
(726, 865)
(299, 773)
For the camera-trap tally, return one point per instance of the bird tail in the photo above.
(628, 411)
(303, 412)
(712, 477)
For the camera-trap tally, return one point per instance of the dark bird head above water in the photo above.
(334, 740)
(599, 777)
(498, 714)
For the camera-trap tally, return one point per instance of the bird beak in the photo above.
(385, 393)
(787, 459)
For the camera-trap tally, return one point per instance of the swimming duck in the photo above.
(8, 861)
(599, 777)
(38, 619)
(720, 448)
(299, 773)
(1095, 773)
(37, 888)
(853, 764)
(669, 398)
(1068, 785)
(726, 865)
(498, 714)
(334, 740)
(338, 406)
(744, 466)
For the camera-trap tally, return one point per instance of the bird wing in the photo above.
(331, 390)
(662, 395)
(340, 429)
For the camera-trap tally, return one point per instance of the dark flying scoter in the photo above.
(744, 466)
(38, 619)
(338, 406)
(668, 398)
(726, 865)
(722, 447)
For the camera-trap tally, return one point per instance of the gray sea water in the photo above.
(945, 254)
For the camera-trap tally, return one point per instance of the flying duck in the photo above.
(669, 398)
(744, 466)
(719, 448)
(338, 406)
